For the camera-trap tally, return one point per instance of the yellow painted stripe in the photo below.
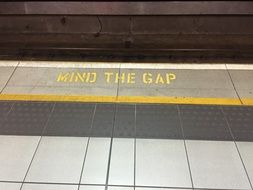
(57, 98)
(247, 101)
(127, 99)
(179, 100)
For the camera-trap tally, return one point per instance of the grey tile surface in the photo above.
(161, 163)
(240, 119)
(58, 160)
(122, 162)
(200, 122)
(26, 118)
(44, 80)
(243, 80)
(103, 120)
(10, 186)
(124, 121)
(188, 83)
(87, 187)
(178, 92)
(16, 153)
(61, 90)
(49, 187)
(5, 73)
(246, 151)
(96, 162)
(71, 119)
(120, 188)
(158, 121)
(204, 123)
(217, 165)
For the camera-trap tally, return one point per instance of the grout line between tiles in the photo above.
(110, 150)
(135, 126)
(102, 185)
(185, 146)
(237, 149)
(118, 84)
(114, 119)
(231, 80)
(9, 111)
(51, 113)
(10, 77)
(111, 142)
(87, 147)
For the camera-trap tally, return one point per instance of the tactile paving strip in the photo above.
(5, 108)
(240, 121)
(70, 119)
(204, 123)
(127, 120)
(158, 121)
(26, 118)
(103, 120)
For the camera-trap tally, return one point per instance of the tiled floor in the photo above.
(156, 163)
(216, 165)
(58, 160)
(124, 147)
(161, 163)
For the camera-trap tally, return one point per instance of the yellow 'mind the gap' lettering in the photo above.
(111, 77)
(63, 77)
(149, 78)
(74, 77)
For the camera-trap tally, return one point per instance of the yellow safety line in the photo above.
(126, 99)
(247, 101)
(180, 100)
(57, 98)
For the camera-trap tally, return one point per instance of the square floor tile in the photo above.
(16, 153)
(5, 74)
(58, 160)
(246, 151)
(120, 188)
(242, 80)
(216, 164)
(87, 187)
(71, 119)
(124, 121)
(204, 123)
(161, 163)
(240, 119)
(10, 186)
(48, 187)
(122, 162)
(158, 121)
(26, 118)
(96, 162)
(103, 120)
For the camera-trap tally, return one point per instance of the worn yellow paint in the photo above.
(179, 100)
(57, 98)
(127, 99)
(74, 77)
(247, 101)
(111, 77)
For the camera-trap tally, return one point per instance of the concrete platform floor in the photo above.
(56, 135)
(122, 82)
